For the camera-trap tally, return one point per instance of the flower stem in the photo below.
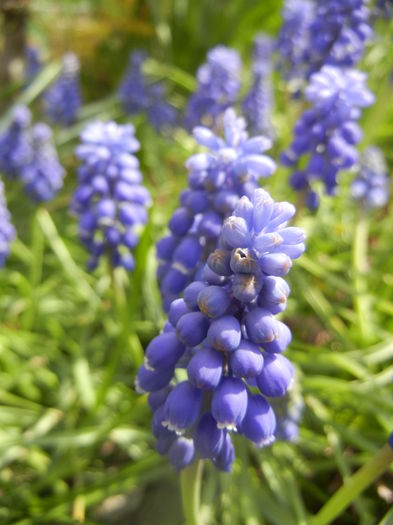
(354, 486)
(360, 269)
(190, 480)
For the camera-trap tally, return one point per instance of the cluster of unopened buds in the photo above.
(225, 334)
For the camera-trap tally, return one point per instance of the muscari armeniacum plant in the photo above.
(15, 143)
(230, 168)
(63, 99)
(337, 34)
(7, 230)
(259, 101)
(370, 186)
(42, 176)
(293, 40)
(225, 334)
(110, 199)
(326, 134)
(218, 85)
(138, 94)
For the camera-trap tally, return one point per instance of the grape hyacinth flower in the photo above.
(63, 100)
(15, 143)
(42, 177)
(111, 201)
(7, 231)
(338, 34)
(258, 103)
(217, 89)
(293, 40)
(138, 95)
(230, 168)
(371, 184)
(327, 133)
(225, 333)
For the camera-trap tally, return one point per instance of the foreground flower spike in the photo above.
(15, 143)
(371, 184)
(110, 200)
(225, 334)
(138, 95)
(7, 231)
(327, 133)
(293, 40)
(63, 100)
(338, 34)
(42, 177)
(218, 87)
(217, 179)
(258, 104)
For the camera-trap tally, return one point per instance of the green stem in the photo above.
(360, 269)
(354, 486)
(190, 480)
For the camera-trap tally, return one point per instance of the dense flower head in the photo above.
(293, 39)
(338, 34)
(230, 168)
(258, 103)
(225, 334)
(139, 95)
(326, 134)
(63, 100)
(7, 231)
(218, 87)
(42, 177)
(110, 199)
(15, 142)
(371, 184)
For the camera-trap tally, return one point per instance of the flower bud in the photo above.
(166, 247)
(163, 352)
(191, 294)
(224, 333)
(192, 328)
(261, 326)
(276, 376)
(213, 301)
(210, 225)
(173, 281)
(182, 453)
(274, 294)
(259, 423)
(180, 222)
(277, 264)
(235, 232)
(226, 455)
(152, 380)
(243, 261)
(247, 360)
(229, 403)
(182, 407)
(208, 438)
(177, 309)
(263, 208)
(205, 368)
(219, 262)
(283, 337)
(246, 287)
(188, 253)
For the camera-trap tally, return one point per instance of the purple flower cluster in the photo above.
(110, 200)
(230, 168)
(63, 100)
(225, 333)
(27, 153)
(42, 177)
(327, 133)
(7, 231)
(258, 103)
(138, 95)
(218, 87)
(15, 143)
(338, 34)
(371, 184)
(293, 40)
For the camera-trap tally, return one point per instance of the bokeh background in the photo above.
(75, 440)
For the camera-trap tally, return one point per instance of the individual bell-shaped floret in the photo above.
(205, 368)
(259, 423)
(229, 403)
(208, 438)
(276, 376)
(182, 407)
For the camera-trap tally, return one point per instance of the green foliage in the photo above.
(75, 441)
